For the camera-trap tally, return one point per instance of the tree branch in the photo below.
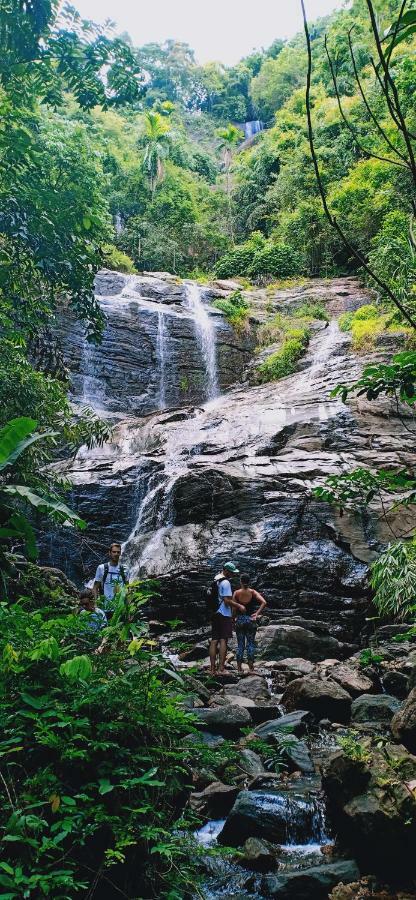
(331, 219)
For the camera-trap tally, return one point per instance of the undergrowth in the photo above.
(367, 323)
(236, 310)
(94, 768)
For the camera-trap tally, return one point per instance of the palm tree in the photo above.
(156, 140)
(229, 138)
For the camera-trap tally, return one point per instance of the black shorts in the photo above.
(222, 627)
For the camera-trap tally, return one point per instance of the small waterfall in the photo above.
(205, 335)
(161, 356)
(252, 128)
(93, 392)
(118, 223)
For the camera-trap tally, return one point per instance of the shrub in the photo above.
(276, 260)
(365, 324)
(235, 308)
(393, 578)
(238, 261)
(283, 362)
(117, 260)
(310, 310)
(95, 767)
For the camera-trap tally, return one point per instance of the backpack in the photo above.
(105, 575)
(212, 596)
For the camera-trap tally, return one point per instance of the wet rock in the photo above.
(259, 855)
(403, 724)
(310, 884)
(321, 696)
(214, 801)
(278, 817)
(396, 683)
(374, 810)
(351, 679)
(295, 753)
(231, 700)
(264, 712)
(295, 668)
(253, 687)
(296, 723)
(374, 708)
(225, 720)
(275, 641)
(250, 762)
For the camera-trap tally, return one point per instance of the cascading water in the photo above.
(252, 128)
(161, 356)
(205, 335)
(93, 392)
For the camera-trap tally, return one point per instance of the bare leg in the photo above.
(213, 655)
(223, 654)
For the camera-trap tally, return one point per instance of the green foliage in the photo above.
(393, 579)
(369, 657)
(117, 260)
(235, 308)
(355, 750)
(395, 379)
(357, 489)
(275, 260)
(311, 311)
(95, 768)
(283, 362)
(364, 324)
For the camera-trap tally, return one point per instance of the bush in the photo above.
(393, 578)
(309, 310)
(276, 260)
(94, 762)
(283, 362)
(238, 261)
(365, 324)
(117, 260)
(235, 308)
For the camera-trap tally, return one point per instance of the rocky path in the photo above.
(306, 781)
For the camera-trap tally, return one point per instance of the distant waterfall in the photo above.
(252, 128)
(93, 390)
(205, 335)
(161, 356)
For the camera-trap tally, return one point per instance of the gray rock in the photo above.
(281, 817)
(374, 708)
(403, 723)
(254, 686)
(296, 723)
(250, 762)
(351, 679)
(321, 696)
(259, 855)
(225, 720)
(215, 800)
(295, 668)
(275, 641)
(314, 883)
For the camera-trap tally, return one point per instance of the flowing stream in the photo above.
(161, 357)
(205, 335)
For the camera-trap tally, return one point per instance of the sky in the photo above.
(223, 30)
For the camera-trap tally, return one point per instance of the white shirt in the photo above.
(113, 579)
(224, 590)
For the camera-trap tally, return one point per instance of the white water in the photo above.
(205, 335)
(93, 392)
(161, 356)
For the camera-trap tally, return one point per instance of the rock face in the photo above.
(187, 488)
(403, 724)
(150, 356)
(374, 808)
(279, 817)
(313, 883)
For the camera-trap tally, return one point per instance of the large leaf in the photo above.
(16, 437)
(78, 668)
(11, 436)
(23, 529)
(53, 508)
(405, 31)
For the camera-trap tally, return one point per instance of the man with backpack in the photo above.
(220, 604)
(109, 578)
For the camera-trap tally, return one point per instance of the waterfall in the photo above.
(118, 223)
(161, 356)
(205, 335)
(252, 128)
(93, 392)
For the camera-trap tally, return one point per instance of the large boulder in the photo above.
(369, 798)
(323, 697)
(280, 817)
(314, 883)
(295, 667)
(281, 641)
(374, 708)
(225, 720)
(296, 723)
(254, 687)
(351, 679)
(403, 723)
(259, 855)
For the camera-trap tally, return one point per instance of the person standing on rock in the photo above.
(252, 604)
(109, 578)
(221, 596)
